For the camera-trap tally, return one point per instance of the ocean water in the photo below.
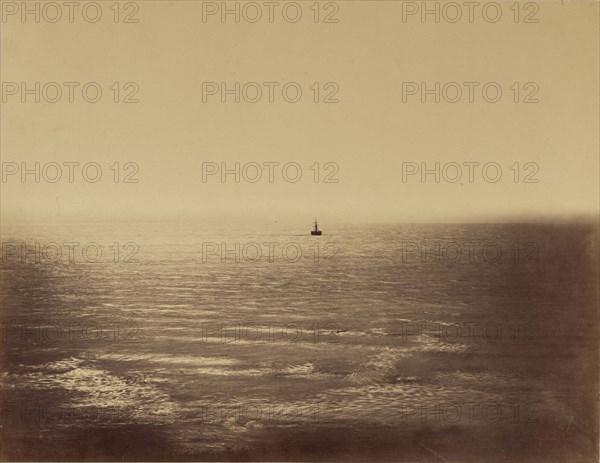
(388, 342)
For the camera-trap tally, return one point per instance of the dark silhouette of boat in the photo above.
(316, 231)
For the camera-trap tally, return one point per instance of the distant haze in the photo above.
(369, 134)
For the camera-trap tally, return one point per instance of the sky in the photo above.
(375, 140)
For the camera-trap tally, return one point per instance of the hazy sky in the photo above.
(370, 134)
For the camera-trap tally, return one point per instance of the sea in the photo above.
(202, 342)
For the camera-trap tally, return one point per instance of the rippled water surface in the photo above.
(408, 342)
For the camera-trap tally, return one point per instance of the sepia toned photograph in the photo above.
(300, 231)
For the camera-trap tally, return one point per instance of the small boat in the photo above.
(316, 231)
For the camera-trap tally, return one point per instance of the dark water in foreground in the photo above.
(354, 345)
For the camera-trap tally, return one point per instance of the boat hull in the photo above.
(316, 233)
